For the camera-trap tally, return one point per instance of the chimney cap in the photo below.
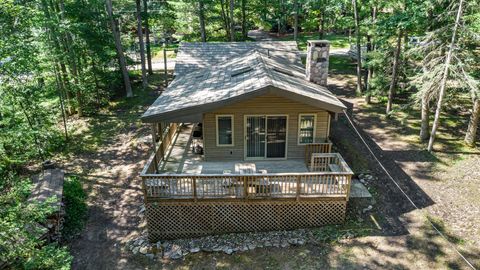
(315, 43)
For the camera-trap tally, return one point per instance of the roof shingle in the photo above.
(214, 86)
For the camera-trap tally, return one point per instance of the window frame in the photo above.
(232, 127)
(314, 127)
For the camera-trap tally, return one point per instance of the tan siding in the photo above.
(267, 104)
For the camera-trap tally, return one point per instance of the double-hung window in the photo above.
(306, 128)
(224, 130)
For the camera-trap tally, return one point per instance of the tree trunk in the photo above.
(295, 26)
(393, 82)
(359, 48)
(72, 62)
(61, 90)
(321, 23)
(425, 115)
(201, 18)
(470, 136)
(443, 83)
(118, 45)
(225, 18)
(244, 20)
(141, 44)
(232, 23)
(370, 48)
(70, 106)
(147, 37)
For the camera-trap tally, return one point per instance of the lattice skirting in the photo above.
(182, 220)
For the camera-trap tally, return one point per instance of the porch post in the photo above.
(154, 141)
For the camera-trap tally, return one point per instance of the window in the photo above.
(224, 130)
(306, 128)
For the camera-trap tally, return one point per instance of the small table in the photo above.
(245, 168)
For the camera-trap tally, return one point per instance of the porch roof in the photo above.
(240, 78)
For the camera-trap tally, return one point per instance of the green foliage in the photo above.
(19, 244)
(50, 257)
(75, 207)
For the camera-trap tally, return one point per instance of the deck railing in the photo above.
(158, 155)
(236, 186)
(316, 148)
(322, 162)
(323, 182)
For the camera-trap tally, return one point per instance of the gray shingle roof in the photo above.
(198, 55)
(214, 86)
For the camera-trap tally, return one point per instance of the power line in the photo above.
(405, 194)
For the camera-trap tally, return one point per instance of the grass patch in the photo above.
(336, 41)
(440, 224)
(341, 65)
(75, 207)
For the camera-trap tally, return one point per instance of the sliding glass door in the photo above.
(266, 136)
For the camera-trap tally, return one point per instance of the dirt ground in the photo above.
(118, 145)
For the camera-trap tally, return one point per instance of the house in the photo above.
(265, 161)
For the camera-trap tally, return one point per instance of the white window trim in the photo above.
(233, 130)
(314, 127)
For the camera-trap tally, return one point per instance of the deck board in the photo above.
(48, 185)
(181, 159)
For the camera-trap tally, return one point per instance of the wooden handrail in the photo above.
(217, 186)
(310, 148)
(158, 154)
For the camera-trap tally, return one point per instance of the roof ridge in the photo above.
(266, 70)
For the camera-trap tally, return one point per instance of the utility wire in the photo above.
(405, 194)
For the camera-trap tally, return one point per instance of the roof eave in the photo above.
(184, 113)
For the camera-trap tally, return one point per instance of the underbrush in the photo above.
(75, 207)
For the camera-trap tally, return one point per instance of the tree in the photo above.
(295, 25)
(393, 82)
(141, 44)
(232, 23)
(118, 45)
(244, 20)
(359, 48)
(201, 18)
(471, 134)
(370, 49)
(147, 37)
(443, 83)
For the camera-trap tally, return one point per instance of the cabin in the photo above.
(241, 142)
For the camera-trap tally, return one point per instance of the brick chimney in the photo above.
(317, 61)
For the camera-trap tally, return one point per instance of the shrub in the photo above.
(75, 207)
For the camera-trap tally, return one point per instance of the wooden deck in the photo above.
(186, 196)
(183, 175)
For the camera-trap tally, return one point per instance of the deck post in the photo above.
(144, 188)
(154, 141)
(245, 187)
(349, 182)
(298, 187)
(194, 186)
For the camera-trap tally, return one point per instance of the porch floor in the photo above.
(181, 159)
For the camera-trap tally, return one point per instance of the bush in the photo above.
(50, 257)
(75, 207)
(20, 247)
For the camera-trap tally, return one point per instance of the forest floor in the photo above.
(110, 150)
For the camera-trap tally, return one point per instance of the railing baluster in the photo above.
(298, 187)
(194, 186)
(276, 185)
